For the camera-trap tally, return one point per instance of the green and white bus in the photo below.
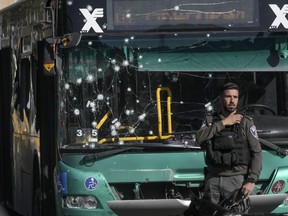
(100, 101)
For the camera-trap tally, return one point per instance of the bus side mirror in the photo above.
(70, 40)
(283, 54)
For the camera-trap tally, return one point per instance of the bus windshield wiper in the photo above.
(95, 156)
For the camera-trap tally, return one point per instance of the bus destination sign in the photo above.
(194, 13)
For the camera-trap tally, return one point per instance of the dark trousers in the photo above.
(217, 188)
(220, 194)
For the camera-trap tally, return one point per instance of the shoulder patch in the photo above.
(254, 131)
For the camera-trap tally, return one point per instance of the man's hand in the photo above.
(232, 119)
(247, 189)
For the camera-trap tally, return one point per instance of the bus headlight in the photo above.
(86, 202)
(90, 202)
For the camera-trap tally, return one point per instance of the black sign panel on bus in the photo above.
(102, 16)
(87, 16)
(273, 15)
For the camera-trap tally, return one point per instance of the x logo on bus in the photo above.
(91, 19)
(280, 16)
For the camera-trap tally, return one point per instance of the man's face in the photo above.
(229, 100)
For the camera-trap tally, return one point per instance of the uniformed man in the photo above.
(233, 152)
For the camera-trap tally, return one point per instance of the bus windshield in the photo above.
(144, 88)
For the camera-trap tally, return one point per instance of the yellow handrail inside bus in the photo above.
(169, 119)
(102, 121)
(160, 124)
